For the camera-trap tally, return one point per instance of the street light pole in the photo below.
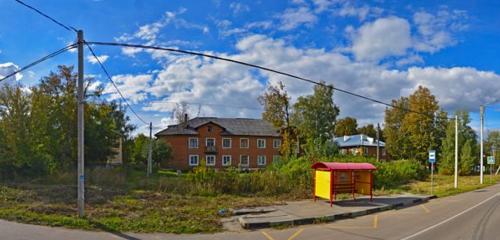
(80, 127)
(481, 158)
(456, 151)
(150, 149)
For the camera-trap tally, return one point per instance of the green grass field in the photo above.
(130, 202)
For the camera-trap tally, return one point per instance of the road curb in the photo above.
(329, 218)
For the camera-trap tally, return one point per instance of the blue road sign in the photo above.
(432, 156)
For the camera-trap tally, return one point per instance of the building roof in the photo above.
(231, 126)
(343, 166)
(357, 140)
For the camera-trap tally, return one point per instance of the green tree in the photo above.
(368, 130)
(396, 140)
(315, 116)
(162, 152)
(446, 159)
(276, 104)
(139, 151)
(346, 126)
(493, 144)
(467, 158)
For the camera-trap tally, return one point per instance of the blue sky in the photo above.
(382, 49)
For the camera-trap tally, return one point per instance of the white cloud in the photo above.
(436, 31)
(212, 83)
(295, 17)
(133, 87)
(384, 37)
(101, 58)
(239, 8)
(6, 69)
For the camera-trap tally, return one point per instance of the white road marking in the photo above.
(449, 219)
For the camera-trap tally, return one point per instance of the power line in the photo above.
(39, 61)
(258, 67)
(114, 85)
(67, 27)
(205, 104)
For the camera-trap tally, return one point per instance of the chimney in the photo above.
(185, 122)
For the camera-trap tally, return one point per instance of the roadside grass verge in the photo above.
(443, 185)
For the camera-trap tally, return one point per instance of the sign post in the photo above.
(491, 161)
(432, 160)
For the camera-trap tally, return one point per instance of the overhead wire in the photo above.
(67, 27)
(51, 55)
(258, 67)
(114, 84)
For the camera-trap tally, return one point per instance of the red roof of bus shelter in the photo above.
(343, 166)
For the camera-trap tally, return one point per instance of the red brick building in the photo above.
(222, 142)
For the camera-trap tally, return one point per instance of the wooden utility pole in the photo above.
(378, 142)
(456, 152)
(150, 150)
(80, 127)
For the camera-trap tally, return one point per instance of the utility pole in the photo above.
(150, 150)
(481, 158)
(80, 127)
(378, 144)
(456, 151)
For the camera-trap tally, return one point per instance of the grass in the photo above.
(133, 207)
(443, 185)
(119, 201)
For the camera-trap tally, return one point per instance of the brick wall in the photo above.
(181, 151)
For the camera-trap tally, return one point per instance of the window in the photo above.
(193, 142)
(226, 143)
(194, 160)
(261, 143)
(243, 142)
(210, 160)
(226, 160)
(244, 160)
(210, 142)
(210, 129)
(276, 143)
(261, 160)
(276, 158)
(365, 151)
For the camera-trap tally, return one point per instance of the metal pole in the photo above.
(481, 158)
(378, 144)
(150, 149)
(432, 178)
(80, 127)
(456, 151)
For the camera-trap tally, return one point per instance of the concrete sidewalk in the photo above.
(308, 211)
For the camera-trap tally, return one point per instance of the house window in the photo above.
(365, 151)
(276, 143)
(210, 142)
(210, 160)
(243, 142)
(210, 129)
(261, 160)
(193, 142)
(226, 160)
(276, 158)
(383, 152)
(226, 143)
(261, 143)
(194, 160)
(244, 160)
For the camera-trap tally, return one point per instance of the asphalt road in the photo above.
(472, 215)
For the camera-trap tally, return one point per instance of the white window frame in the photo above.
(248, 142)
(230, 160)
(275, 141)
(206, 160)
(263, 140)
(197, 142)
(260, 157)
(230, 143)
(197, 160)
(248, 160)
(206, 141)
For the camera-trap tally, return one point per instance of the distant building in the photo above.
(361, 145)
(117, 157)
(221, 142)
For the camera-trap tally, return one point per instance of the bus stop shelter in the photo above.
(332, 178)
